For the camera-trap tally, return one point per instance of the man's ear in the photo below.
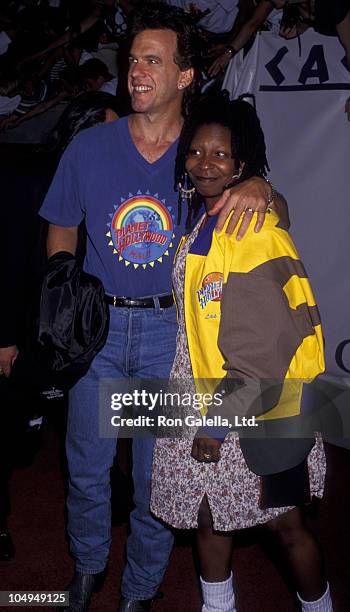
(185, 78)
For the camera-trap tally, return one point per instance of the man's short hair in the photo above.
(161, 16)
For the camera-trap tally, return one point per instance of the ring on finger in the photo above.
(249, 210)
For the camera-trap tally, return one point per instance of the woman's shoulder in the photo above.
(271, 242)
(272, 228)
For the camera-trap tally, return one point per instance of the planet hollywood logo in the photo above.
(141, 230)
(211, 289)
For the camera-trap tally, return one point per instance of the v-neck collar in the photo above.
(149, 167)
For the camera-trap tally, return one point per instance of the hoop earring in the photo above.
(186, 193)
(233, 178)
(237, 176)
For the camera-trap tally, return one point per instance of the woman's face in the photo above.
(209, 161)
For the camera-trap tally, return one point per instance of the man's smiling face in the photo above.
(154, 79)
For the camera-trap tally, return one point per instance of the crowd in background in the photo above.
(53, 50)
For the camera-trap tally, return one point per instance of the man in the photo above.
(120, 179)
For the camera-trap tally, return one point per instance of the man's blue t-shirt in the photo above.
(129, 205)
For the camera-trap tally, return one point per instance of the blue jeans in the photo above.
(141, 343)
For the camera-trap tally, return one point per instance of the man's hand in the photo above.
(220, 64)
(216, 50)
(206, 449)
(7, 358)
(217, 54)
(247, 197)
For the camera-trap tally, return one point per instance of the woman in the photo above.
(250, 318)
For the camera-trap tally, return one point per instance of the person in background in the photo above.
(217, 17)
(224, 53)
(9, 97)
(95, 77)
(333, 19)
(24, 186)
(247, 323)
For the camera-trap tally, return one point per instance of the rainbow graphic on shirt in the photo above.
(141, 230)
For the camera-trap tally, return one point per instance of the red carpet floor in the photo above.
(42, 561)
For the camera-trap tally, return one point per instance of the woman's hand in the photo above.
(206, 450)
(248, 197)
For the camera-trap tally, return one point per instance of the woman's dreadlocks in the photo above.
(247, 141)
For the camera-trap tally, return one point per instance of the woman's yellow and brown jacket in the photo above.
(251, 319)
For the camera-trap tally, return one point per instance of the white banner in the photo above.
(300, 99)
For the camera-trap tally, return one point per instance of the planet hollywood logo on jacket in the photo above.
(211, 289)
(141, 230)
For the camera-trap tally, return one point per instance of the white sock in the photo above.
(324, 604)
(218, 596)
